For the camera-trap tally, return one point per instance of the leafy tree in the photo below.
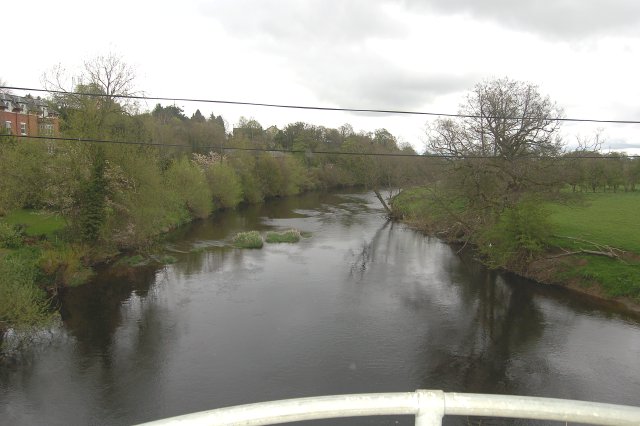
(249, 129)
(92, 200)
(188, 182)
(198, 117)
(165, 114)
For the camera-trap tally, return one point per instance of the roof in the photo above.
(32, 103)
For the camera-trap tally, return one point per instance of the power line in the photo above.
(300, 151)
(315, 108)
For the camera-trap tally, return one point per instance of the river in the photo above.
(363, 305)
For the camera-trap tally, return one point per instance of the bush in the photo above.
(65, 266)
(22, 304)
(225, 185)
(251, 239)
(141, 206)
(288, 236)
(187, 181)
(10, 236)
(520, 233)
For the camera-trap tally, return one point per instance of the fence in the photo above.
(428, 407)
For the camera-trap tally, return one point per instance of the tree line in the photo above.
(482, 180)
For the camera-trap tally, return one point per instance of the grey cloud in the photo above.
(620, 144)
(304, 21)
(328, 46)
(553, 18)
(389, 88)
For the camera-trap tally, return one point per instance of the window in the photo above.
(46, 129)
(23, 129)
(7, 127)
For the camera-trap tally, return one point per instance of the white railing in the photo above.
(428, 407)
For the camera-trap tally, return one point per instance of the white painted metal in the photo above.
(428, 406)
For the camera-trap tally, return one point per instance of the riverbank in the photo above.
(363, 305)
(38, 260)
(592, 244)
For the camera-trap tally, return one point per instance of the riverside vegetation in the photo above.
(67, 205)
(506, 188)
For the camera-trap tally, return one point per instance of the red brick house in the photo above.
(27, 116)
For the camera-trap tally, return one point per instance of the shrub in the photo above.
(251, 239)
(22, 303)
(521, 232)
(288, 236)
(187, 181)
(226, 188)
(10, 236)
(65, 266)
(141, 205)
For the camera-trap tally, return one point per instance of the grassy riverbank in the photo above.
(591, 242)
(605, 223)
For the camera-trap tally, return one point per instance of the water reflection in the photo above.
(364, 305)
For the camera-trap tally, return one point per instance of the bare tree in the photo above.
(112, 76)
(108, 76)
(502, 118)
(500, 148)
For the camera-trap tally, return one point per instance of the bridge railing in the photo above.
(428, 407)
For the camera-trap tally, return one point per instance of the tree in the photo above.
(114, 77)
(501, 147)
(165, 114)
(108, 76)
(503, 118)
(198, 117)
(503, 158)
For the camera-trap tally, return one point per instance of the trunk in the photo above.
(384, 204)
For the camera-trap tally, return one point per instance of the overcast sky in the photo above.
(412, 55)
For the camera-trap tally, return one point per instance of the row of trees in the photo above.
(119, 195)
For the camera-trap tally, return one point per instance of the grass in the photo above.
(251, 239)
(132, 261)
(606, 219)
(616, 278)
(36, 222)
(288, 236)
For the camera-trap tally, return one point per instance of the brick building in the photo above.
(27, 116)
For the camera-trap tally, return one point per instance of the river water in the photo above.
(363, 305)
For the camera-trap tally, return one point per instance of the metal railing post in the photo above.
(430, 407)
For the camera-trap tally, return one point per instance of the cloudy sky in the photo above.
(421, 55)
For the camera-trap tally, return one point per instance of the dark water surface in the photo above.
(363, 305)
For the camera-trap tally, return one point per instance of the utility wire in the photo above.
(301, 151)
(315, 108)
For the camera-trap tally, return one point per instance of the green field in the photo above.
(604, 218)
(36, 222)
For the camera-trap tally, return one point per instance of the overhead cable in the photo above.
(315, 108)
(302, 151)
